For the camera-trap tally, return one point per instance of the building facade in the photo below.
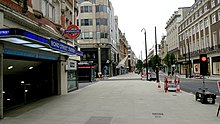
(199, 32)
(122, 66)
(172, 32)
(132, 59)
(35, 53)
(99, 35)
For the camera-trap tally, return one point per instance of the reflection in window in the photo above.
(86, 22)
(84, 9)
(87, 35)
(48, 9)
(101, 8)
(101, 21)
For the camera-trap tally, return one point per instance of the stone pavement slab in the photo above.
(117, 102)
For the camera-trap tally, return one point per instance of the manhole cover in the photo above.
(157, 115)
(99, 120)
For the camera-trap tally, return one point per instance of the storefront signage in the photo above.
(72, 31)
(72, 65)
(35, 37)
(62, 47)
(4, 32)
(52, 43)
(80, 53)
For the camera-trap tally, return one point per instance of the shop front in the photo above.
(33, 67)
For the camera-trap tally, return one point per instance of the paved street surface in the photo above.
(117, 101)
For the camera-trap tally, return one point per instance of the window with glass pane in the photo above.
(98, 35)
(214, 38)
(213, 3)
(44, 6)
(213, 18)
(102, 35)
(219, 15)
(86, 35)
(51, 12)
(82, 35)
(90, 35)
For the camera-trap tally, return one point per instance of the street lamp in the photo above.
(145, 51)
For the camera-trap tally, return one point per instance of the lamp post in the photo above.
(157, 64)
(145, 51)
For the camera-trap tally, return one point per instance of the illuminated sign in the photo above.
(62, 47)
(4, 32)
(72, 31)
(55, 44)
(35, 37)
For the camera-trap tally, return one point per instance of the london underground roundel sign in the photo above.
(72, 31)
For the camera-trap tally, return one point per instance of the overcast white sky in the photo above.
(134, 15)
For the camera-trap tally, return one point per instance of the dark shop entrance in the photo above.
(26, 80)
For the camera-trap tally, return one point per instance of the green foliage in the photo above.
(139, 65)
(155, 60)
(169, 60)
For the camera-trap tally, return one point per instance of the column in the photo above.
(1, 67)
(1, 81)
(99, 59)
(62, 76)
(210, 65)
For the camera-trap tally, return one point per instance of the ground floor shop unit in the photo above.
(103, 58)
(33, 67)
(194, 66)
(26, 80)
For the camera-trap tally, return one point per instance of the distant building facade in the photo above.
(99, 34)
(199, 32)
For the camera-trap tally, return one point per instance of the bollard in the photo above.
(177, 81)
(218, 110)
(165, 84)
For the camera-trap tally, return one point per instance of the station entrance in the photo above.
(26, 80)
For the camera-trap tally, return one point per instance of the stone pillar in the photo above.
(62, 76)
(210, 66)
(99, 60)
(1, 81)
(1, 66)
(1, 18)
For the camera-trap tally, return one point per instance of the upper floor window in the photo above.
(48, 9)
(200, 11)
(101, 35)
(101, 8)
(205, 7)
(206, 22)
(101, 21)
(213, 3)
(201, 25)
(218, 14)
(86, 22)
(87, 35)
(213, 18)
(80, 1)
(85, 9)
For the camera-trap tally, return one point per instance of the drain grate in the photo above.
(99, 120)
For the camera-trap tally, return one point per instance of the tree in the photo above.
(169, 60)
(139, 64)
(153, 60)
